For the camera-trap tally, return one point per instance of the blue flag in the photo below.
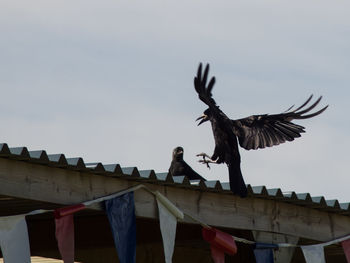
(121, 216)
(264, 252)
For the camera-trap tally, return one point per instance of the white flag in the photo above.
(168, 223)
(314, 254)
(14, 241)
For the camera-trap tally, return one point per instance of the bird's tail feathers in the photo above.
(237, 184)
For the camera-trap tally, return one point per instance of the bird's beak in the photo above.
(203, 118)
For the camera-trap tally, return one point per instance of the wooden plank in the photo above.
(39, 182)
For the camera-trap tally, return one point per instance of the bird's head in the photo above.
(178, 153)
(205, 116)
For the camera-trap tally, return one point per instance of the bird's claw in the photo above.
(205, 161)
(204, 155)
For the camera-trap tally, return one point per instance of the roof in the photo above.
(150, 176)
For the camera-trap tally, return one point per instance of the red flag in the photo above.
(346, 247)
(65, 231)
(217, 254)
(68, 210)
(220, 243)
(65, 237)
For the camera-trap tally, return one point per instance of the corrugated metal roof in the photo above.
(150, 176)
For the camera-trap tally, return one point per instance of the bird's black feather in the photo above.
(179, 167)
(253, 132)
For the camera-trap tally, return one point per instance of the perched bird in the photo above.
(179, 167)
(253, 132)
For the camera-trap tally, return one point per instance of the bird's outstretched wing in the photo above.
(260, 131)
(200, 85)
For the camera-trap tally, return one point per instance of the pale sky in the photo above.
(112, 82)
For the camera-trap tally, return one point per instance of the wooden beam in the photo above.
(63, 186)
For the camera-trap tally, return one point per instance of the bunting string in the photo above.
(165, 203)
(156, 193)
(108, 197)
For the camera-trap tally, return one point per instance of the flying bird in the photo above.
(253, 132)
(179, 167)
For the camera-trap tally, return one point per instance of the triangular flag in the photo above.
(220, 243)
(121, 216)
(65, 237)
(168, 223)
(65, 231)
(217, 254)
(14, 240)
(264, 252)
(263, 255)
(313, 254)
(68, 210)
(169, 205)
(346, 247)
(221, 240)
